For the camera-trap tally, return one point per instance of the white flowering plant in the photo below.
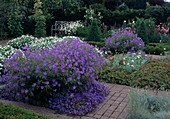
(91, 15)
(21, 42)
(130, 61)
(5, 53)
(70, 28)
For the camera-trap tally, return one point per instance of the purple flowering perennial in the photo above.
(71, 67)
(124, 41)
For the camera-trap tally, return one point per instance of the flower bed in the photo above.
(61, 77)
(129, 70)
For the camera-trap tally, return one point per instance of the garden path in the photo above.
(115, 106)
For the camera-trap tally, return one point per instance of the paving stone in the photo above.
(116, 103)
(116, 94)
(119, 99)
(112, 108)
(104, 117)
(97, 116)
(103, 109)
(123, 95)
(115, 114)
(119, 109)
(90, 115)
(122, 116)
(123, 104)
(113, 98)
(108, 113)
(110, 102)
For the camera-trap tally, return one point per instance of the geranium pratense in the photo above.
(69, 66)
(124, 41)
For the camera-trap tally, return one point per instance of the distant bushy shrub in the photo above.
(124, 41)
(145, 106)
(69, 67)
(21, 42)
(141, 30)
(82, 31)
(94, 32)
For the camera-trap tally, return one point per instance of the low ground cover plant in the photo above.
(145, 106)
(13, 112)
(153, 74)
(61, 77)
(124, 41)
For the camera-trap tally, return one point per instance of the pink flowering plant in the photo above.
(61, 77)
(164, 32)
(124, 41)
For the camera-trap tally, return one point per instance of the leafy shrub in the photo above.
(145, 106)
(160, 14)
(40, 27)
(136, 4)
(112, 4)
(12, 112)
(155, 49)
(153, 33)
(153, 75)
(94, 32)
(5, 52)
(21, 42)
(70, 67)
(124, 41)
(99, 44)
(164, 45)
(82, 31)
(141, 30)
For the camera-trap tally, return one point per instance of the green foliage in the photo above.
(21, 42)
(164, 45)
(82, 31)
(92, 15)
(122, 7)
(153, 33)
(12, 112)
(153, 75)
(99, 44)
(112, 4)
(94, 32)
(141, 30)
(40, 27)
(145, 106)
(159, 13)
(89, 2)
(136, 4)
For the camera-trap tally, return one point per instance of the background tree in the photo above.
(94, 32)
(40, 27)
(136, 4)
(156, 2)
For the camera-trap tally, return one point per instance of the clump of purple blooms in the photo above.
(61, 77)
(124, 41)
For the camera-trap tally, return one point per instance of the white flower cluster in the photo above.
(90, 15)
(22, 41)
(71, 27)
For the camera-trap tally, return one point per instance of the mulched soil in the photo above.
(5, 41)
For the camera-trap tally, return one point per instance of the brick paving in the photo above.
(115, 105)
